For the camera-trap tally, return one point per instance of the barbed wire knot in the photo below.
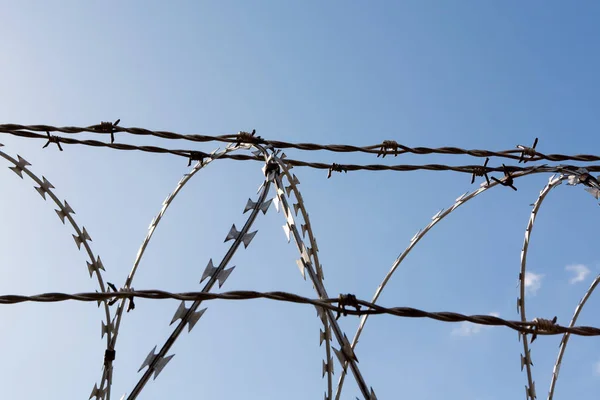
(528, 152)
(346, 300)
(508, 179)
(248, 137)
(196, 156)
(108, 127)
(131, 305)
(481, 171)
(544, 326)
(337, 168)
(387, 147)
(52, 139)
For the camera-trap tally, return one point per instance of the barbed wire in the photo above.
(387, 147)
(538, 326)
(275, 164)
(192, 155)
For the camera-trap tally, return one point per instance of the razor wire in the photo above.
(275, 168)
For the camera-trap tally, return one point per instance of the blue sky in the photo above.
(467, 74)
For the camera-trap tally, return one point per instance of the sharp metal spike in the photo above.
(264, 207)
(149, 358)
(327, 366)
(340, 356)
(436, 216)
(296, 208)
(160, 364)
(289, 189)
(233, 234)
(208, 271)
(323, 336)
(99, 301)
(276, 202)
(286, 229)
(594, 192)
(18, 168)
(372, 396)
(66, 210)
(44, 187)
(95, 266)
(461, 197)
(167, 199)
(304, 255)
(180, 313)
(107, 329)
(85, 235)
(301, 268)
(304, 229)
(257, 153)
(223, 275)
(194, 318)
(249, 206)
(315, 247)
(248, 238)
(415, 237)
(294, 180)
(97, 393)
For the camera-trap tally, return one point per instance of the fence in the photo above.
(288, 199)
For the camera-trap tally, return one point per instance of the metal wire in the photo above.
(308, 262)
(386, 147)
(189, 154)
(328, 303)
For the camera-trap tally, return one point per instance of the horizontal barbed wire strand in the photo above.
(332, 304)
(379, 149)
(467, 169)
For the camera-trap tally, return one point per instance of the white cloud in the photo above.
(533, 282)
(469, 329)
(580, 272)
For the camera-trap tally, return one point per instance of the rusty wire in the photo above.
(537, 326)
(385, 147)
(193, 154)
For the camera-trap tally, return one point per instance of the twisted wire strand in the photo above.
(526, 361)
(328, 303)
(158, 361)
(151, 229)
(467, 169)
(387, 147)
(438, 217)
(325, 335)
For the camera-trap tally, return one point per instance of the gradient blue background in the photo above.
(465, 73)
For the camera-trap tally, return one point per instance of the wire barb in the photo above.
(508, 179)
(544, 326)
(388, 147)
(52, 139)
(346, 300)
(528, 152)
(108, 127)
(337, 168)
(481, 171)
(248, 137)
